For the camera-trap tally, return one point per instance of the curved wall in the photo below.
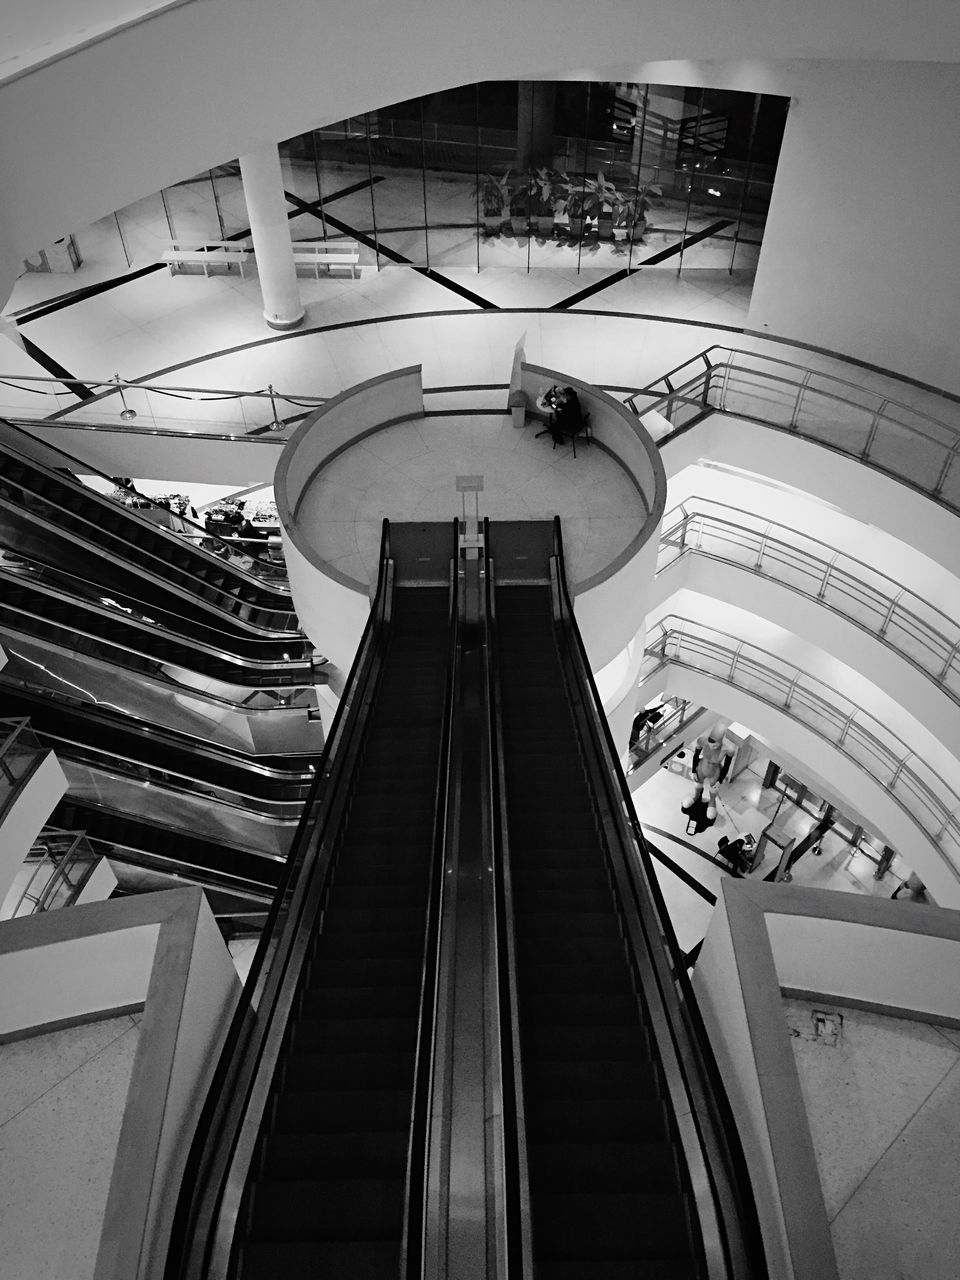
(610, 606)
(333, 608)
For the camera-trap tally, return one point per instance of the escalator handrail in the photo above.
(516, 1180)
(701, 1081)
(418, 1150)
(209, 1165)
(87, 469)
(127, 644)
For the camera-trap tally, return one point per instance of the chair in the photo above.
(584, 429)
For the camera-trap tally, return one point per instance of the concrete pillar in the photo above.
(267, 211)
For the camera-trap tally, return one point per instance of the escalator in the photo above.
(331, 1183)
(602, 1162)
(108, 633)
(328, 1142)
(116, 745)
(137, 842)
(48, 515)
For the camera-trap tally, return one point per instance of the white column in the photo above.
(267, 211)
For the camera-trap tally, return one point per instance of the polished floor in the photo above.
(691, 885)
(409, 471)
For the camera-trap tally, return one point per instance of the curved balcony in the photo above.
(897, 438)
(922, 634)
(930, 802)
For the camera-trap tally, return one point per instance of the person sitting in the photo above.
(567, 418)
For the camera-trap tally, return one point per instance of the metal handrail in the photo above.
(719, 1182)
(212, 1184)
(515, 1174)
(938, 803)
(686, 532)
(414, 1241)
(713, 380)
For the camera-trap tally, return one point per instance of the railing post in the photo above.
(791, 689)
(899, 769)
(941, 478)
(951, 658)
(824, 581)
(846, 728)
(797, 404)
(736, 659)
(758, 567)
(889, 614)
(874, 427)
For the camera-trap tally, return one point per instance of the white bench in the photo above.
(211, 253)
(327, 253)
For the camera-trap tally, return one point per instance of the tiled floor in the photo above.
(408, 472)
(744, 807)
(884, 1109)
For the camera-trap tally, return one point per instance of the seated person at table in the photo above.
(567, 418)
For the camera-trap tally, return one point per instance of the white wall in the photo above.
(25, 815)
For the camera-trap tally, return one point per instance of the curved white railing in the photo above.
(923, 794)
(897, 438)
(919, 632)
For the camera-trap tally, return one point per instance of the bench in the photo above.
(327, 253)
(211, 253)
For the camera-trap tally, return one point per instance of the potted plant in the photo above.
(544, 185)
(633, 210)
(579, 204)
(494, 195)
(521, 203)
(607, 201)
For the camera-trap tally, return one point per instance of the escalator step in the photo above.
(569, 926)
(596, 1120)
(347, 1209)
(361, 1070)
(335, 1035)
(625, 1042)
(601, 1080)
(393, 946)
(561, 1007)
(342, 1111)
(617, 1269)
(603, 1166)
(586, 1226)
(363, 977)
(289, 1157)
(366, 1002)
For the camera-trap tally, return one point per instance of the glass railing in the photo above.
(58, 866)
(923, 794)
(653, 735)
(899, 439)
(919, 632)
(20, 752)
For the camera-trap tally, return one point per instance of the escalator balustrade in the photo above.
(137, 842)
(110, 636)
(56, 519)
(607, 1196)
(329, 1196)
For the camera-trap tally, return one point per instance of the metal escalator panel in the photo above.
(108, 635)
(137, 842)
(119, 745)
(311, 1140)
(625, 1174)
(55, 518)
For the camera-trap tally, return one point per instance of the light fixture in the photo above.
(126, 413)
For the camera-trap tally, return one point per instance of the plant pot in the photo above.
(636, 232)
(520, 224)
(545, 224)
(576, 228)
(492, 223)
(605, 226)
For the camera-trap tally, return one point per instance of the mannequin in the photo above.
(711, 761)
